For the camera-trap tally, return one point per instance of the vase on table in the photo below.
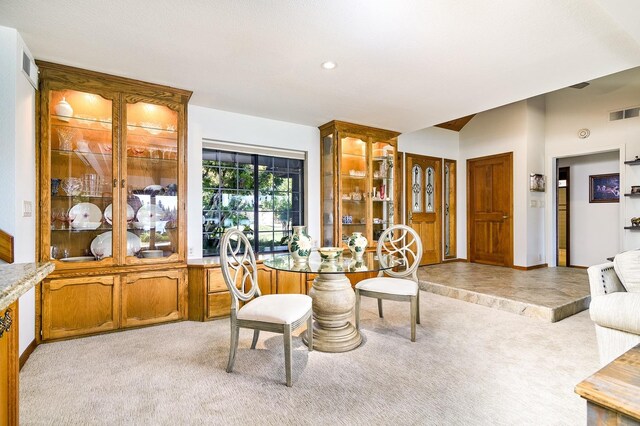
(357, 244)
(300, 244)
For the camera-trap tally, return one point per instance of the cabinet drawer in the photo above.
(215, 281)
(218, 305)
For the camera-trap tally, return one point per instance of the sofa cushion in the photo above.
(627, 266)
(620, 311)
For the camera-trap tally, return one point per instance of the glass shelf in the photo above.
(354, 177)
(73, 231)
(152, 129)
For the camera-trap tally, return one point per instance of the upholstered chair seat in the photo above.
(388, 285)
(276, 308)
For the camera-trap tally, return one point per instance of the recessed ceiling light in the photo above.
(329, 65)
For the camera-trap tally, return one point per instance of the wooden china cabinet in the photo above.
(360, 181)
(112, 195)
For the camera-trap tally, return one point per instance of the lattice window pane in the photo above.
(416, 189)
(447, 217)
(429, 189)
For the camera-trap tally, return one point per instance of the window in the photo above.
(259, 194)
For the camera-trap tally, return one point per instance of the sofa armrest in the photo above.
(604, 280)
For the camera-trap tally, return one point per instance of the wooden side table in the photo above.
(613, 393)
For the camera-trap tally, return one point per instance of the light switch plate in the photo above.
(533, 203)
(27, 209)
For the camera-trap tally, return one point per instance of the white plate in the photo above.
(108, 213)
(85, 212)
(148, 215)
(105, 241)
(78, 259)
(133, 244)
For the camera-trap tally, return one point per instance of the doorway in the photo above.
(490, 209)
(423, 204)
(563, 252)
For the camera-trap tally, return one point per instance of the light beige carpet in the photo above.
(471, 365)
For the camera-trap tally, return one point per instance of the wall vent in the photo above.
(624, 113)
(30, 69)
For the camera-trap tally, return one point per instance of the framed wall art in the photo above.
(536, 182)
(604, 188)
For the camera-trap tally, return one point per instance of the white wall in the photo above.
(594, 227)
(535, 207)
(17, 165)
(244, 129)
(569, 110)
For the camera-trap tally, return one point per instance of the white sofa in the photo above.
(615, 304)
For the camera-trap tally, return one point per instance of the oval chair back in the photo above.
(239, 270)
(403, 243)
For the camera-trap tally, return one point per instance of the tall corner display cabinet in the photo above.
(112, 195)
(361, 181)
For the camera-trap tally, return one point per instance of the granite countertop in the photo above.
(17, 279)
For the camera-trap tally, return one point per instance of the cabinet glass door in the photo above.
(328, 196)
(383, 187)
(82, 209)
(151, 182)
(354, 176)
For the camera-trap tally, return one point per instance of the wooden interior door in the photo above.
(423, 204)
(490, 209)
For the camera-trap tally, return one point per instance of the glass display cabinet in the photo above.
(112, 181)
(359, 186)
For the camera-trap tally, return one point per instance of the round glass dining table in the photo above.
(332, 295)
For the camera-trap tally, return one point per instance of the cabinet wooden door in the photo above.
(78, 306)
(9, 368)
(490, 209)
(423, 209)
(153, 297)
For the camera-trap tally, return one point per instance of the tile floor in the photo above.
(547, 293)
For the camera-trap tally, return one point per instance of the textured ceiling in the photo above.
(402, 65)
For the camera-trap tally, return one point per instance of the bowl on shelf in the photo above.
(330, 253)
(152, 253)
(86, 225)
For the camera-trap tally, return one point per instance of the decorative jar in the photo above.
(63, 110)
(300, 244)
(357, 244)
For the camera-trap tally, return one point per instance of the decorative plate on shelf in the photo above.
(84, 213)
(101, 245)
(108, 213)
(148, 215)
(133, 244)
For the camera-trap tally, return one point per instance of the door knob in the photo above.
(505, 217)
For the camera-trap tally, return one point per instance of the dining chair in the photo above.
(276, 313)
(401, 244)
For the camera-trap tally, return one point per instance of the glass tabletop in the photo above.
(345, 264)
